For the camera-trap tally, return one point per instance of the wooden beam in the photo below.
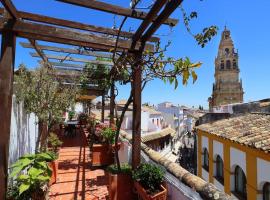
(6, 90)
(66, 36)
(148, 19)
(137, 99)
(68, 58)
(40, 53)
(162, 17)
(66, 65)
(76, 25)
(10, 8)
(102, 6)
(78, 51)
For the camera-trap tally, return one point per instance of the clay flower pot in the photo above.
(54, 167)
(142, 193)
(120, 186)
(102, 154)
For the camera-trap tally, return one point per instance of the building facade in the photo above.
(227, 88)
(233, 154)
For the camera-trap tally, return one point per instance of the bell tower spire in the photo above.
(227, 88)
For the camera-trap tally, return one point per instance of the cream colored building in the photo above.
(234, 155)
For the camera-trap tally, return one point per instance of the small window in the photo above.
(219, 169)
(240, 183)
(227, 51)
(234, 64)
(228, 64)
(205, 160)
(266, 191)
(222, 65)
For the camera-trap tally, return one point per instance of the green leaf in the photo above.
(194, 76)
(20, 165)
(175, 84)
(23, 187)
(34, 172)
(43, 178)
(23, 177)
(45, 156)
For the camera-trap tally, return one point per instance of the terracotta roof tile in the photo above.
(250, 129)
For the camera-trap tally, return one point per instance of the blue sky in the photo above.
(250, 29)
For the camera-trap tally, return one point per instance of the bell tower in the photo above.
(227, 88)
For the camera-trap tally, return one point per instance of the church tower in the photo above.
(227, 88)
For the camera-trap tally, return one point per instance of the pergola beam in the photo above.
(66, 36)
(10, 8)
(67, 50)
(75, 25)
(40, 53)
(102, 6)
(68, 58)
(162, 17)
(66, 65)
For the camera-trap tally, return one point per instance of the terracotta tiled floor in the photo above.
(76, 179)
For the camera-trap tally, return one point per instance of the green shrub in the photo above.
(124, 168)
(37, 172)
(54, 141)
(149, 176)
(109, 135)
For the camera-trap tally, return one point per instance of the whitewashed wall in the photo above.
(263, 175)
(24, 132)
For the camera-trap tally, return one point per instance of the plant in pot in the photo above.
(120, 182)
(149, 182)
(31, 174)
(54, 143)
(103, 151)
(82, 118)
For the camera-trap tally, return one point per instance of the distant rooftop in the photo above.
(252, 129)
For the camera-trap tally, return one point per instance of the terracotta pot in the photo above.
(54, 167)
(120, 187)
(142, 194)
(102, 154)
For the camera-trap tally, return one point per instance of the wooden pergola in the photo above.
(90, 40)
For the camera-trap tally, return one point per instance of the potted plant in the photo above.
(103, 150)
(54, 143)
(82, 118)
(120, 182)
(31, 174)
(148, 182)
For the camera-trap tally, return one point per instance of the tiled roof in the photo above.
(250, 129)
(150, 110)
(159, 134)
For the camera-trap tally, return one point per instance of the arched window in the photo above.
(205, 159)
(219, 169)
(228, 64)
(234, 64)
(222, 65)
(266, 191)
(153, 121)
(227, 51)
(240, 183)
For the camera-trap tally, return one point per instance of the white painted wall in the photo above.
(218, 185)
(237, 158)
(217, 150)
(263, 175)
(205, 143)
(205, 175)
(23, 132)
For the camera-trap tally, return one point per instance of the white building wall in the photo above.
(23, 132)
(205, 175)
(217, 150)
(205, 143)
(237, 158)
(263, 175)
(218, 185)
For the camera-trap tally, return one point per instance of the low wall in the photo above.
(181, 183)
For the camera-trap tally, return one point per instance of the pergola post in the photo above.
(6, 91)
(102, 107)
(112, 104)
(136, 121)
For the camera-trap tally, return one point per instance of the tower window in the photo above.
(227, 51)
(222, 65)
(234, 64)
(228, 64)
